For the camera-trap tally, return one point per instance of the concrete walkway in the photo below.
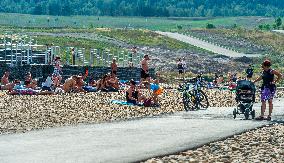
(126, 141)
(206, 45)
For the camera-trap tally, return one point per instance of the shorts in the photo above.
(249, 76)
(114, 72)
(268, 92)
(45, 88)
(180, 71)
(144, 75)
(158, 92)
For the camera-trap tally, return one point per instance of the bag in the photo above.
(147, 102)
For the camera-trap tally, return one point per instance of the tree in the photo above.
(210, 26)
(278, 22)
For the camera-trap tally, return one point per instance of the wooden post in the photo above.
(11, 53)
(5, 44)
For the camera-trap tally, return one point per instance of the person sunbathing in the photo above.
(70, 84)
(102, 83)
(133, 96)
(9, 86)
(113, 83)
(28, 79)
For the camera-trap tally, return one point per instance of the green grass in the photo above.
(65, 42)
(152, 23)
(147, 38)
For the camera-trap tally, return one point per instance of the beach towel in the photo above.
(121, 102)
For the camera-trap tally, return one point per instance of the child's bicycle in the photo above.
(192, 96)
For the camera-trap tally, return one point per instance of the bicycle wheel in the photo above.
(203, 101)
(187, 102)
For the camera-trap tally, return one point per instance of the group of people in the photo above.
(110, 83)
(77, 83)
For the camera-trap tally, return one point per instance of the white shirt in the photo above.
(48, 82)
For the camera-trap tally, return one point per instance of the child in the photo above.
(157, 90)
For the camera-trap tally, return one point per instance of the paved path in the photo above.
(206, 45)
(279, 31)
(126, 141)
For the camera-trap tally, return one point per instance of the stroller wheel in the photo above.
(235, 113)
(252, 114)
(247, 113)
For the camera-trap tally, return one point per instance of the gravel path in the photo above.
(262, 145)
(279, 31)
(205, 45)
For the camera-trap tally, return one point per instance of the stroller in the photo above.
(245, 97)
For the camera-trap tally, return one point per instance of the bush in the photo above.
(179, 27)
(210, 26)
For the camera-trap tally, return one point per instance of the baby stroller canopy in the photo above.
(245, 85)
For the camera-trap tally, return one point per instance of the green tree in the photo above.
(210, 26)
(278, 22)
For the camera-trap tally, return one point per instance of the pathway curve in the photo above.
(206, 45)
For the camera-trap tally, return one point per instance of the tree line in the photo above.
(146, 8)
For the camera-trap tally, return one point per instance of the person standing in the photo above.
(73, 56)
(113, 67)
(268, 88)
(249, 72)
(180, 67)
(145, 76)
(56, 72)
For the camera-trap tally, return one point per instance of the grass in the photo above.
(66, 42)
(151, 23)
(147, 38)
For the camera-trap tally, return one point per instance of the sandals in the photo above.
(260, 118)
(268, 118)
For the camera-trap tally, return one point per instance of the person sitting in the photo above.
(32, 84)
(112, 84)
(133, 96)
(5, 78)
(220, 79)
(70, 84)
(102, 83)
(79, 84)
(28, 79)
(46, 86)
(5, 84)
(92, 82)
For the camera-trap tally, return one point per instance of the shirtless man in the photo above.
(145, 69)
(113, 67)
(70, 84)
(113, 82)
(79, 84)
(5, 78)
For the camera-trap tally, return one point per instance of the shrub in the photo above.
(210, 26)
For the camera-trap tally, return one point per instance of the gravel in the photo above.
(261, 145)
(25, 113)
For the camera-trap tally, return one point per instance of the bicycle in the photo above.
(193, 97)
